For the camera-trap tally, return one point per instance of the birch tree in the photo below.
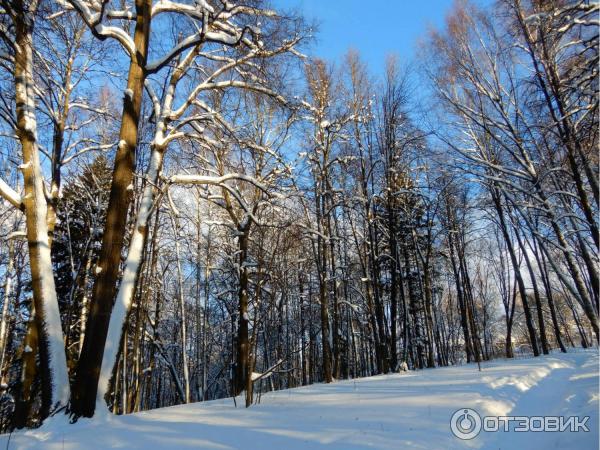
(17, 31)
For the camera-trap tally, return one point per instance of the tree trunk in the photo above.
(25, 397)
(5, 305)
(182, 312)
(53, 361)
(89, 367)
(242, 343)
(517, 272)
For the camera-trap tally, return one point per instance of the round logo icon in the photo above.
(465, 424)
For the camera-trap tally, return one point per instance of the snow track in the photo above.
(405, 411)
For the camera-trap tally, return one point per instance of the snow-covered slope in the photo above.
(404, 411)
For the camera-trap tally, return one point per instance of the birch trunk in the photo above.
(53, 362)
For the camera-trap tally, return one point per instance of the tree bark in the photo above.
(88, 369)
(53, 361)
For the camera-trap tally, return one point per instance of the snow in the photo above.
(407, 410)
(536, 17)
(16, 234)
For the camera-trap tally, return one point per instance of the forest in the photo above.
(192, 207)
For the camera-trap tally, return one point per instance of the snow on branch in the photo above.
(10, 195)
(90, 148)
(259, 376)
(189, 10)
(94, 22)
(219, 37)
(215, 27)
(216, 180)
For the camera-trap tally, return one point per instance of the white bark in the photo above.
(10, 195)
(36, 209)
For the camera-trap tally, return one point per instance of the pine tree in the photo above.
(81, 216)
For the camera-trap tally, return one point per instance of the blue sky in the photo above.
(373, 27)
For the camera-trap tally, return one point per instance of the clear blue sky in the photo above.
(374, 27)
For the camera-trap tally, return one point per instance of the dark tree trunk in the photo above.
(88, 369)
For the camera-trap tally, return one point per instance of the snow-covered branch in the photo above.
(216, 180)
(10, 195)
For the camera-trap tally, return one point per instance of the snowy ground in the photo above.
(404, 411)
